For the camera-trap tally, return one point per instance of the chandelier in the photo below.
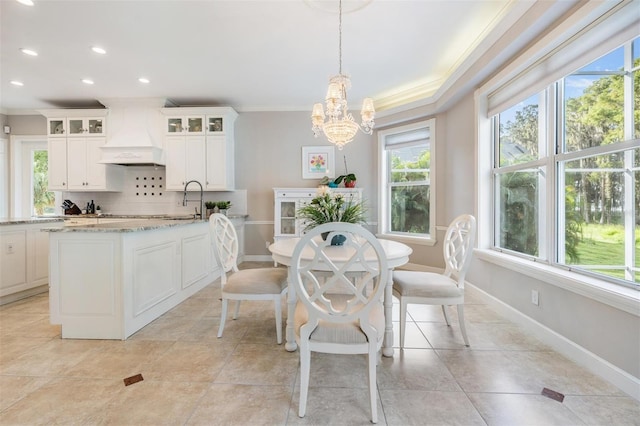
(338, 124)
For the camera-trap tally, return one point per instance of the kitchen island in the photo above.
(108, 280)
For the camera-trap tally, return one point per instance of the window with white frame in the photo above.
(407, 177)
(566, 170)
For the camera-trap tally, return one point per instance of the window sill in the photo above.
(619, 297)
(420, 241)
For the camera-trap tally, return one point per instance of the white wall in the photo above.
(4, 177)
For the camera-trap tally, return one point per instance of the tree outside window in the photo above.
(43, 199)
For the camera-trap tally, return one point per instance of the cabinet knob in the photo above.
(63, 183)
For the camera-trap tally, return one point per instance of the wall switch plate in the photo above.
(7, 129)
(534, 297)
(9, 248)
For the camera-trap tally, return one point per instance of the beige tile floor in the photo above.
(245, 378)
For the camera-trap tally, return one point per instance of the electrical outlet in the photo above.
(267, 244)
(534, 297)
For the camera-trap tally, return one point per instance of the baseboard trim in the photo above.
(23, 294)
(601, 367)
(257, 258)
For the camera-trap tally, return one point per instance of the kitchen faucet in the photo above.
(185, 200)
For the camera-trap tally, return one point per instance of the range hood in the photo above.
(134, 132)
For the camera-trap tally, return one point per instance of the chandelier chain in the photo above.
(340, 39)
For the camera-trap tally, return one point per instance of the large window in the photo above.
(406, 181)
(567, 160)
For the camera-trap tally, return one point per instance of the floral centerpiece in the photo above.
(327, 207)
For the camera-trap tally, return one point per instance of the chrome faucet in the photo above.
(185, 200)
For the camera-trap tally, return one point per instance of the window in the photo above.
(567, 160)
(34, 199)
(407, 175)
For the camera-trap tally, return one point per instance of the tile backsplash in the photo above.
(144, 193)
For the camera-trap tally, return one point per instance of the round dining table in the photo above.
(397, 254)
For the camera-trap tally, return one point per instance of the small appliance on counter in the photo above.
(70, 208)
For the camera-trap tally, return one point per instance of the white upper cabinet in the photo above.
(75, 138)
(57, 168)
(185, 161)
(75, 126)
(210, 158)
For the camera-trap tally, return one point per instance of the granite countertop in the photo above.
(132, 226)
(28, 220)
(126, 216)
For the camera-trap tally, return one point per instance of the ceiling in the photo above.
(261, 55)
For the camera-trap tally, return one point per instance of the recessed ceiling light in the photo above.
(29, 52)
(17, 83)
(26, 2)
(87, 81)
(143, 80)
(99, 50)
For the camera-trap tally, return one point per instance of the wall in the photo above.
(4, 167)
(28, 124)
(268, 155)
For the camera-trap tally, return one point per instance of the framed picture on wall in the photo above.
(318, 162)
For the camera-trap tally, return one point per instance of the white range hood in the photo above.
(134, 132)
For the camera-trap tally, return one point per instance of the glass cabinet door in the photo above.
(215, 124)
(288, 218)
(194, 124)
(76, 126)
(174, 125)
(96, 126)
(56, 127)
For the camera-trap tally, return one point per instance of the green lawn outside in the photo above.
(604, 245)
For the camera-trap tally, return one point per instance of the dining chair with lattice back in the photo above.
(246, 284)
(432, 288)
(339, 291)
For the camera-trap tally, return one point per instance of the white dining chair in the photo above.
(339, 312)
(431, 288)
(245, 284)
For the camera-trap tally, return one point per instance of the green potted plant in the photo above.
(211, 207)
(326, 208)
(223, 206)
(349, 180)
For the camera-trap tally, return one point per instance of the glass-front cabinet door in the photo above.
(215, 124)
(79, 126)
(96, 126)
(288, 218)
(56, 127)
(191, 125)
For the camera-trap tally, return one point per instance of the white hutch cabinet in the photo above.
(199, 145)
(289, 200)
(74, 141)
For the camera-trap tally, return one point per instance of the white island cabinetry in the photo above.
(24, 258)
(108, 281)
